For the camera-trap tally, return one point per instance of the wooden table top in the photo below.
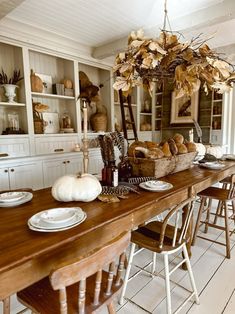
(27, 256)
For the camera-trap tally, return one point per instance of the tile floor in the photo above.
(214, 275)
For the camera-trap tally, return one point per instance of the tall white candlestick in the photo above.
(85, 120)
(85, 140)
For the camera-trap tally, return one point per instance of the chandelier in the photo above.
(188, 65)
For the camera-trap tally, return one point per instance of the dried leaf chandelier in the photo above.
(188, 65)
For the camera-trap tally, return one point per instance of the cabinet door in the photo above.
(26, 176)
(95, 164)
(74, 165)
(52, 170)
(4, 178)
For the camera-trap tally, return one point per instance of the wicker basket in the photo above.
(99, 122)
(161, 167)
(38, 126)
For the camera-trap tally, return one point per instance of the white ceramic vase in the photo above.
(10, 92)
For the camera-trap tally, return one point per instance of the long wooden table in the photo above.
(27, 256)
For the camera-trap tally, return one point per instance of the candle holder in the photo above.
(85, 139)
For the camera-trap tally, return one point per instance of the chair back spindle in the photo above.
(179, 232)
(78, 271)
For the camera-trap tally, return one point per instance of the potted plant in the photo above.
(9, 84)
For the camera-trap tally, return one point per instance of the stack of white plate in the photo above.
(156, 185)
(214, 165)
(57, 219)
(11, 199)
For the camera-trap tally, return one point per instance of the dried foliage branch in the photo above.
(189, 65)
(12, 80)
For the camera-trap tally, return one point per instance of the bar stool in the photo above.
(81, 286)
(165, 237)
(223, 196)
(226, 182)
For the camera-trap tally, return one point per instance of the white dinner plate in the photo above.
(212, 165)
(41, 223)
(160, 188)
(58, 215)
(41, 229)
(8, 197)
(229, 157)
(26, 198)
(156, 184)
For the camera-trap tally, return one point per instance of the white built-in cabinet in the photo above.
(53, 169)
(21, 175)
(51, 153)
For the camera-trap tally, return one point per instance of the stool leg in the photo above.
(154, 263)
(127, 273)
(208, 211)
(167, 283)
(203, 201)
(191, 274)
(227, 230)
(218, 211)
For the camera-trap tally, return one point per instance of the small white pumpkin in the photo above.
(85, 188)
(216, 151)
(201, 149)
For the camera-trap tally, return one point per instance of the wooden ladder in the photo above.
(124, 120)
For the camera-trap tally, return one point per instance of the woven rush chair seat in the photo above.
(165, 237)
(225, 196)
(81, 286)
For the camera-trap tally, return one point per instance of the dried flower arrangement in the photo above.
(188, 65)
(12, 80)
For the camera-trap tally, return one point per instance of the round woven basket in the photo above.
(99, 122)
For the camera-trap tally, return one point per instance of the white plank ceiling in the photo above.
(98, 23)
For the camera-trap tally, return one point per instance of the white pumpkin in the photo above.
(216, 151)
(201, 149)
(85, 188)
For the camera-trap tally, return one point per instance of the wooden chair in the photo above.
(81, 286)
(6, 305)
(224, 196)
(165, 237)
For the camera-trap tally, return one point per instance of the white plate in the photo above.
(164, 187)
(212, 165)
(229, 157)
(37, 222)
(26, 198)
(31, 227)
(58, 215)
(155, 184)
(8, 197)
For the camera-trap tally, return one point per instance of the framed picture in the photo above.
(184, 109)
(51, 122)
(47, 83)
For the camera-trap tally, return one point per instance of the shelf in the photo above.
(146, 113)
(217, 115)
(125, 104)
(11, 104)
(51, 96)
(217, 100)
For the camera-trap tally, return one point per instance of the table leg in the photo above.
(6, 306)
